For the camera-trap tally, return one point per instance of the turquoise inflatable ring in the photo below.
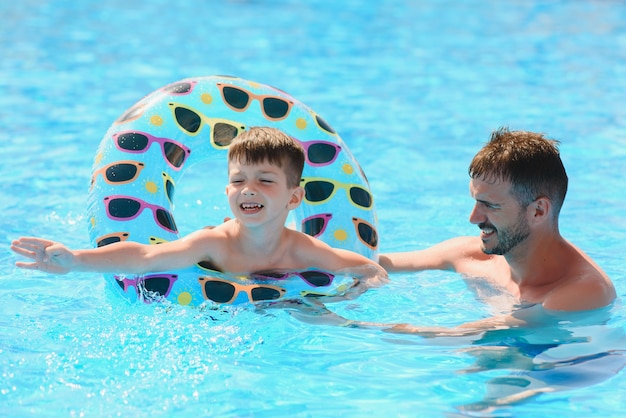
(146, 150)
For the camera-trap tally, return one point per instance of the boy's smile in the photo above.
(251, 207)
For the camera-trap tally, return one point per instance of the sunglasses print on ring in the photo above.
(224, 291)
(119, 172)
(366, 233)
(323, 125)
(180, 88)
(315, 278)
(151, 286)
(168, 185)
(137, 142)
(126, 208)
(134, 113)
(111, 238)
(191, 121)
(273, 107)
(320, 153)
(321, 190)
(315, 225)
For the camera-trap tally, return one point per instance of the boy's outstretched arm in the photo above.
(48, 256)
(54, 257)
(128, 257)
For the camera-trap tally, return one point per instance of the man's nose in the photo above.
(476, 216)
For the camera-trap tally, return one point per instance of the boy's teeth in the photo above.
(251, 206)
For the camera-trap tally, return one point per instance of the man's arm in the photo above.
(447, 255)
(468, 328)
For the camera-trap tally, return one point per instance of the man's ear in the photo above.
(540, 209)
(296, 198)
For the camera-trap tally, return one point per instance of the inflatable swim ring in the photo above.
(148, 148)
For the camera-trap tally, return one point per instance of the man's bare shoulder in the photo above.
(586, 292)
(584, 286)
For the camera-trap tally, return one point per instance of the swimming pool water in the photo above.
(414, 88)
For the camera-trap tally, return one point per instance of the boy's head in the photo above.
(261, 144)
(528, 160)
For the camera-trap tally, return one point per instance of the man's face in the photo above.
(502, 221)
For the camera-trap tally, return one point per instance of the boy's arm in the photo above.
(321, 255)
(128, 257)
(48, 256)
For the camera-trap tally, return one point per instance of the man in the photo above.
(519, 183)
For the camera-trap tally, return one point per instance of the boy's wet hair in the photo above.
(260, 144)
(528, 160)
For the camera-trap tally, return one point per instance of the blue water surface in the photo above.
(414, 88)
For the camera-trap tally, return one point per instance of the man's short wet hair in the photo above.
(529, 161)
(259, 144)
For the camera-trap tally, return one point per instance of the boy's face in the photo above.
(259, 192)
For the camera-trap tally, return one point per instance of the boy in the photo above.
(264, 169)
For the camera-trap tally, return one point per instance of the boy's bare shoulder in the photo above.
(310, 251)
(209, 231)
(210, 237)
(301, 242)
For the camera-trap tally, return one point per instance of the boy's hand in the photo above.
(365, 277)
(48, 256)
